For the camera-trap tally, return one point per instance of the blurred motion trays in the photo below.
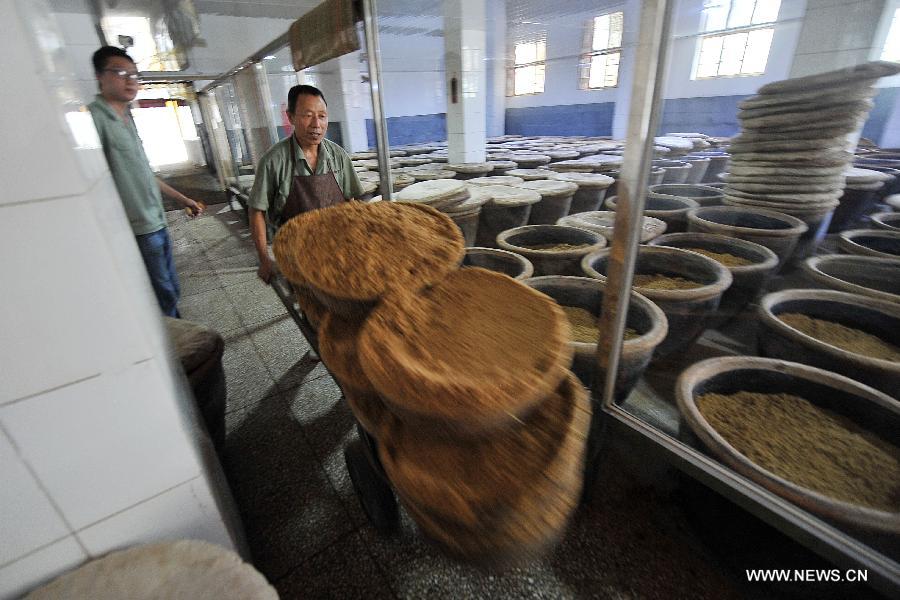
(475, 352)
(359, 252)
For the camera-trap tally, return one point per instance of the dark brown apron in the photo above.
(310, 192)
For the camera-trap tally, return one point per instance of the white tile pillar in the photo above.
(466, 85)
(632, 22)
(495, 64)
(353, 125)
(839, 34)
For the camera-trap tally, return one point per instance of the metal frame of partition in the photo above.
(814, 533)
(373, 50)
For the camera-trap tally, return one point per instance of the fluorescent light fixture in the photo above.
(270, 57)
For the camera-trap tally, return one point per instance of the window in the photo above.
(599, 65)
(528, 68)
(737, 37)
(892, 45)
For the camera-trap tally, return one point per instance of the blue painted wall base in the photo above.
(413, 129)
(564, 119)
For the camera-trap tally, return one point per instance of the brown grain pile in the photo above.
(807, 445)
(657, 281)
(584, 326)
(729, 260)
(845, 338)
(359, 251)
(557, 246)
(472, 351)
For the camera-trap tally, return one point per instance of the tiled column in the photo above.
(98, 449)
(464, 47)
(495, 64)
(632, 22)
(839, 33)
(353, 125)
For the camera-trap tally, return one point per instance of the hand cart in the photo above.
(370, 482)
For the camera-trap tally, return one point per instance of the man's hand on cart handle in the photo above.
(266, 270)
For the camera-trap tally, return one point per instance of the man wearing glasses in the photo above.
(138, 187)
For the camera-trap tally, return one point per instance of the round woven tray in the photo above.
(529, 504)
(473, 353)
(338, 347)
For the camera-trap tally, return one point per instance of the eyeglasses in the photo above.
(122, 74)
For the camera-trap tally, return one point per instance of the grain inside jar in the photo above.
(843, 337)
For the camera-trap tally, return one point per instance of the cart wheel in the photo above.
(375, 495)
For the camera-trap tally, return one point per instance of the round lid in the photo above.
(431, 354)
(429, 174)
(579, 165)
(360, 251)
(496, 180)
(678, 143)
(508, 196)
(562, 154)
(858, 175)
(529, 158)
(530, 174)
(587, 180)
(470, 167)
(363, 155)
(550, 188)
(433, 191)
(502, 164)
(368, 186)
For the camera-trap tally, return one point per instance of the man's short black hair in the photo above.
(102, 56)
(306, 90)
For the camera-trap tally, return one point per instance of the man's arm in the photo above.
(195, 207)
(257, 220)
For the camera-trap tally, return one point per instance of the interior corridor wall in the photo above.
(99, 447)
(708, 106)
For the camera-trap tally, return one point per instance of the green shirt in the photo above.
(272, 184)
(130, 168)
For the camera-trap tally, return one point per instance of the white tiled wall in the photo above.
(838, 33)
(465, 44)
(96, 448)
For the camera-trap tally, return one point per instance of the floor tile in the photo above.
(197, 283)
(283, 350)
(343, 571)
(235, 269)
(255, 302)
(246, 378)
(289, 509)
(212, 308)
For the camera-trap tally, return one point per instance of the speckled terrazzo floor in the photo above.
(639, 537)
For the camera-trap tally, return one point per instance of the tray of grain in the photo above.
(854, 335)
(500, 498)
(352, 254)
(338, 340)
(819, 439)
(473, 353)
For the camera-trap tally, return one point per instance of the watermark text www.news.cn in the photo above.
(808, 575)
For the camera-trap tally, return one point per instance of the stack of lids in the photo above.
(506, 196)
(438, 193)
(585, 180)
(678, 146)
(572, 166)
(486, 442)
(857, 178)
(471, 168)
(792, 151)
(529, 160)
(429, 172)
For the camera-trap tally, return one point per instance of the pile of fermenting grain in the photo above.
(461, 375)
(809, 446)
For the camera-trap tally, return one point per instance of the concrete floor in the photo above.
(287, 426)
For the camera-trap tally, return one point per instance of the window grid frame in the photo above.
(514, 66)
(585, 62)
(728, 32)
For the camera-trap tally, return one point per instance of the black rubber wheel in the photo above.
(375, 495)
